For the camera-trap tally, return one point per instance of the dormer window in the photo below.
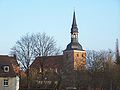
(6, 68)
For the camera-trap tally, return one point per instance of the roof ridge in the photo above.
(4, 56)
(49, 56)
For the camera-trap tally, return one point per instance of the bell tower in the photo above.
(74, 31)
(74, 52)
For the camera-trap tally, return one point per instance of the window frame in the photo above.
(5, 68)
(6, 83)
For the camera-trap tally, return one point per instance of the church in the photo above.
(61, 68)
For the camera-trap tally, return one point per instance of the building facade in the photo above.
(9, 79)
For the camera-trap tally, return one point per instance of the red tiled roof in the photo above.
(7, 61)
(48, 62)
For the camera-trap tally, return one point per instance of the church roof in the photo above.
(74, 46)
(48, 62)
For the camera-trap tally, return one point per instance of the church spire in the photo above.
(74, 44)
(74, 24)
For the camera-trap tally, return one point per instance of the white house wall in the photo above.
(13, 83)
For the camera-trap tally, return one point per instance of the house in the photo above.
(63, 66)
(9, 70)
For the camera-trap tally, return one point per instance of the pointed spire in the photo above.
(74, 24)
(74, 44)
(74, 20)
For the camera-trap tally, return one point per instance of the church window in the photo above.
(77, 55)
(82, 55)
(40, 70)
(56, 70)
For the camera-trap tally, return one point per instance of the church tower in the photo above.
(74, 52)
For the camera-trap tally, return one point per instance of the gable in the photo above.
(7, 62)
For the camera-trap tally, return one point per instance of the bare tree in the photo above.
(44, 45)
(31, 46)
(34, 45)
(100, 64)
(24, 51)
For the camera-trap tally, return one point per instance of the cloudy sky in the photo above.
(98, 21)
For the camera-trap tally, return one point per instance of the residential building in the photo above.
(9, 70)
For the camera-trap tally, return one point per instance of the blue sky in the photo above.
(98, 21)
